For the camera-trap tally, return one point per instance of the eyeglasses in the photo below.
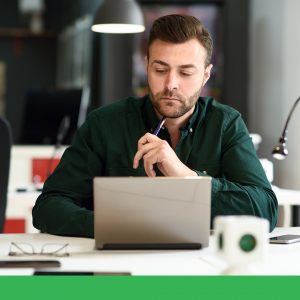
(24, 249)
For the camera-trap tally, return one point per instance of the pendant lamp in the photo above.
(119, 16)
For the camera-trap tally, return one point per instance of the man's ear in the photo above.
(207, 73)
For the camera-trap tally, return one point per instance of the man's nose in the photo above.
(172, 81)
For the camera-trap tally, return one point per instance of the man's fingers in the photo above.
(138, 156)
(147, 139)
(150, 159)
(145, 144)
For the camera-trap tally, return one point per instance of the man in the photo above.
(199, 137)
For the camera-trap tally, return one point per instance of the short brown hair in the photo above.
(179, 29)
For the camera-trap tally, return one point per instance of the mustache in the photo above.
(170, 94)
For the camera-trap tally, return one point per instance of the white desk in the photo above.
(84, 258)
(282, 259)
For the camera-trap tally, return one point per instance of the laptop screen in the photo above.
(152, 213)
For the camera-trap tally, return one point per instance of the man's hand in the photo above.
(153, 151)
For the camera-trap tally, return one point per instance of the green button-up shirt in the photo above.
(214, 142)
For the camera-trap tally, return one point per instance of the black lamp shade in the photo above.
(119, 16)
(280, 152)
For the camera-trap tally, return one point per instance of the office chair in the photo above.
(5, 147)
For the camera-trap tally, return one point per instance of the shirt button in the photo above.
(191, 130)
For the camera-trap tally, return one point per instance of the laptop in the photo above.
(152, 213)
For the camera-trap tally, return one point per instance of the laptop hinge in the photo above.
(152, 246)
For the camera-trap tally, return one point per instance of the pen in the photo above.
(159, 126)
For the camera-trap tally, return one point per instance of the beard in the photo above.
(170, 109)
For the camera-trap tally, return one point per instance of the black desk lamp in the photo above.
(119, 16)
(280, 151)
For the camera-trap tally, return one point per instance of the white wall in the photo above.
(275, 81)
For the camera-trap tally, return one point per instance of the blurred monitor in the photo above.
(44, 111)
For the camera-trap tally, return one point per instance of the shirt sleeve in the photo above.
(65, 206)
(243, 188)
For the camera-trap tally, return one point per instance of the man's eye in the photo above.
(160, 71)
(186, 73)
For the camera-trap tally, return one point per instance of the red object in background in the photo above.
(18, 43)
(42, 168)
(14, 226)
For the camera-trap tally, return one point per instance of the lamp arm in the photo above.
(284, 132)
(280, 151)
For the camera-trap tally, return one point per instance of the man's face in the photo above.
(176, 75)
